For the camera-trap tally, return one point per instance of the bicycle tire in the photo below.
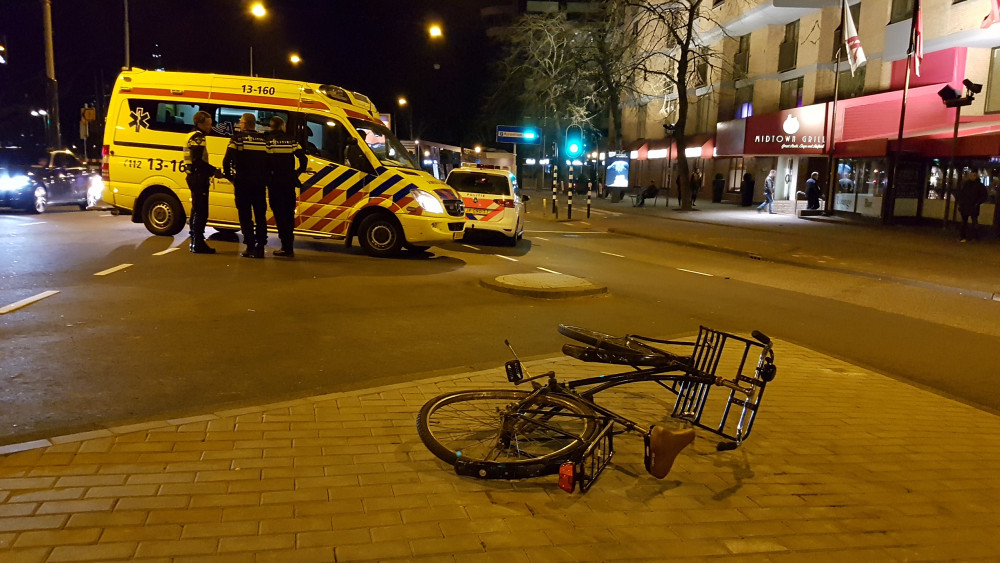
(591, 354)
(467, 424)
(618, 344)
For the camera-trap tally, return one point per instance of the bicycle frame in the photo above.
(689, 382)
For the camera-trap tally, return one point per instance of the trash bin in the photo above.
(746, 192)
(616, 195)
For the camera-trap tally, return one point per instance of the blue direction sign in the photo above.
(517, 134)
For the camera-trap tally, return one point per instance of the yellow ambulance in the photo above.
(360, 181)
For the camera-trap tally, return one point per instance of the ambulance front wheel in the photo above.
(381, 235)
(163, 215)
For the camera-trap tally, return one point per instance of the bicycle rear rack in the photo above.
(692, 397)
(591, 463)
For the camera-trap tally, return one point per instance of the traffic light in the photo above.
(574, 141)
(3, 50)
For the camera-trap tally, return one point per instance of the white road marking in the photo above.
(612, 254)
(549, 271)
(469, 246)
(569, 232)
(694, 272)
(33, 223)
(506, 257)
(113, 270)
(541, 238)
(26, 302)
(167, 251)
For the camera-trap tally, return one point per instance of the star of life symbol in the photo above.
(140, 119)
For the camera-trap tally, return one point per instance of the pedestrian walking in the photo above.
(813, 191)
(282, 182)
(199, 176)
(970, 196)
(695, 185)
(768, 193)
(246, 165)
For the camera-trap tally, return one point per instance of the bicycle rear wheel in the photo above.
(617, 344)
(504, 427)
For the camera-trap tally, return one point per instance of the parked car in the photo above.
(492, 200)
(34, 179)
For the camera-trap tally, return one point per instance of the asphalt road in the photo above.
(175, 334)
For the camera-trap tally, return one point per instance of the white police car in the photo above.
(493, 202)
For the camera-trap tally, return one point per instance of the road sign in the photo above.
(518, 134)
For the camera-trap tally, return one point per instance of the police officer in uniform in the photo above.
(199, 175)
(283, 181)
(246, 164)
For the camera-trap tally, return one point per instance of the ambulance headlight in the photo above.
(13, 183)
(426, 200)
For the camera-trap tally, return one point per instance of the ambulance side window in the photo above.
(163, 116)
(324, 138)
(227, 119)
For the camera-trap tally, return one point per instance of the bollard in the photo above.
(590, 192)
(569, 202)
(555, 187)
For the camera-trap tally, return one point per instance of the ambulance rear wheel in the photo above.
(380, 235)
(163, 215)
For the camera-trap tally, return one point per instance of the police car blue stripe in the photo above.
(401, 194)
(338, 181)
(323, 173)
(385, 186)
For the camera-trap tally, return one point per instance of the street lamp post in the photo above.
(45, 121)
(404, 104)
(258, 11)
(952, 98)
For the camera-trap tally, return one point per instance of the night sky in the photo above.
(378, 48)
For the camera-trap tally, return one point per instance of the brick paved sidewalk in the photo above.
(842, 463)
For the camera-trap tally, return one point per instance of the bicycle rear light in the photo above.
(567, 476)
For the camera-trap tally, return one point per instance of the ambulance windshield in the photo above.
(384, 144)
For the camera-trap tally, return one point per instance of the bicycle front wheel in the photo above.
(504, 426)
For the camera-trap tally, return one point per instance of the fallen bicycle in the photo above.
(557, 427)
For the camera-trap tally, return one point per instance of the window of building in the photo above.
(788, 50)
(851, 86)
(717, 2)
(993, 85)
(701, 67)
(744, 102)
(741, 61)
(640, 122)
(791, 93)
(901, 10)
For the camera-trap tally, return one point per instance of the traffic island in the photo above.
(543, 285)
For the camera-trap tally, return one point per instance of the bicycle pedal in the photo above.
(662, 447)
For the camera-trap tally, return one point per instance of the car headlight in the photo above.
(13, 183)
(95, 190)
(426, 200)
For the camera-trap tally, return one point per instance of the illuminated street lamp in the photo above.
(45, 120)
(295, 59)
(435, 31)
(403, 103)
(258, 11)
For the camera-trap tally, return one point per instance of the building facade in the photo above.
(781, 95)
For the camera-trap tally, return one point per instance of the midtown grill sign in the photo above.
(795, 131)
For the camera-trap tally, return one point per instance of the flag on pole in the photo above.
(855, 54)
(918, 37)
(994, 15)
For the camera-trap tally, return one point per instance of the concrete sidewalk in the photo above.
(926, 256)
(843, 463)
